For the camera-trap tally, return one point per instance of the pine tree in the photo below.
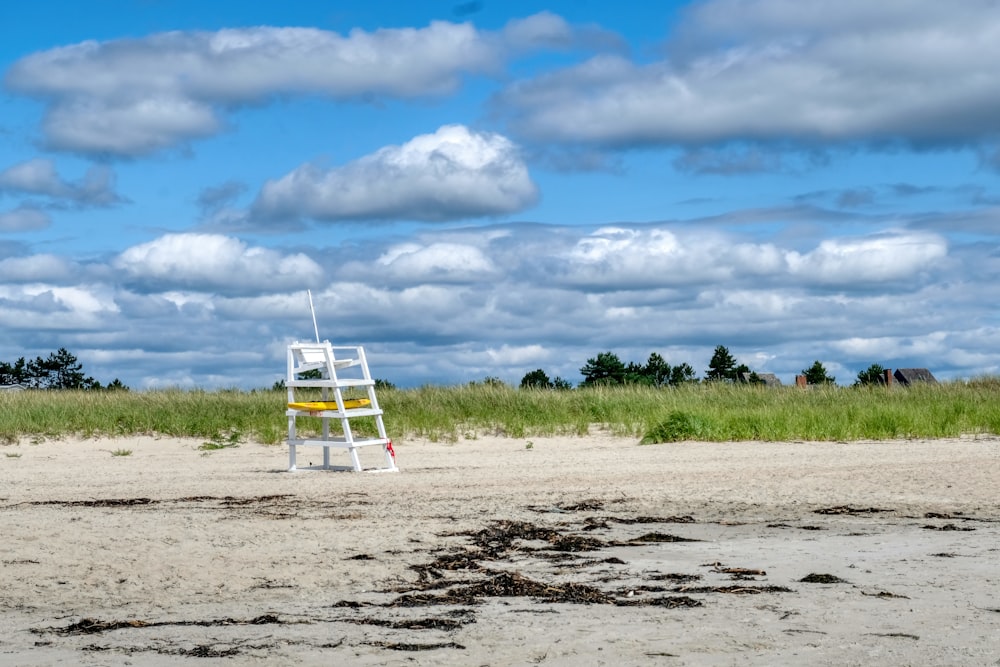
(816, 374)
(657, 370)
(606, 368)
(536, 379)
(722, 366)
(874, 374)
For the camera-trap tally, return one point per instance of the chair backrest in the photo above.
(303, 357)
(310, 356)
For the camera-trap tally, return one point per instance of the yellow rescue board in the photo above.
(319, 406)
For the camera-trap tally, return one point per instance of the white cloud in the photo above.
(212, 262)
(760, 304)
(881, 347)
(931, 345)
(30, 308)
(23, 219)
(547, 30)
(775, 71)
(34, 268)
(436, 262)
(135, 96)
(452, 174)
(875, 259)
(39, 177)
(629, 258)
(623, 258)
(459, 305)
(521, 355)
(128, 126)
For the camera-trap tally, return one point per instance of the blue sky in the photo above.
(475, 189)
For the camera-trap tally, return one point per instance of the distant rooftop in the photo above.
(769, 379)
(908, 376)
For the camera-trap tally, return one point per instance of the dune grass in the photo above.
(709, 412)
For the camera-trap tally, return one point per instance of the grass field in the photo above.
(709, 412)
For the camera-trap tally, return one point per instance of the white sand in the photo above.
(229, 537)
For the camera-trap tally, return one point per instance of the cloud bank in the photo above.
(440, 307)
(794, 74)
(133, 97)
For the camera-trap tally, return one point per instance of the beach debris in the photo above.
(491, 564)
(224, 501)
(741, 570)
(785, 525)
(92, 626)
(506, 584)
(676, 577)
(595, 523)
(651, 519)
(734, 589)
(447, 624)
(207, 651)
(106, 502)
(815, 578)
(885, 594)
(582, 506)
(409, 646)
(846, 509)
(668, 601)
(654, 538)
(957, 516)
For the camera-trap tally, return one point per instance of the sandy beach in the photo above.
(502, 551)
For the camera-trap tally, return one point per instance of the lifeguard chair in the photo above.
(342, 370)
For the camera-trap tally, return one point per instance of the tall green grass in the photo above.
(710, 412)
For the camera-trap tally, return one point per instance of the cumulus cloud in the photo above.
(130, 97)
(548, 30)
(214, 262)
(39, 177)
(127, 126)
(23, 219)
(452, 174)
(458, 305)
(212, 199)
(524, 355)
(436, 262)
(917, 73)
(37, 268)
(876, 259)
(616, 258)
(35, 307)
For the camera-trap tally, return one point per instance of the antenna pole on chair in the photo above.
(313, 311)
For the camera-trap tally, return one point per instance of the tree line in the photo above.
(60, 370)
(607, 369)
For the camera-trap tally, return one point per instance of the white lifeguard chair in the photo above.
(340, 368)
